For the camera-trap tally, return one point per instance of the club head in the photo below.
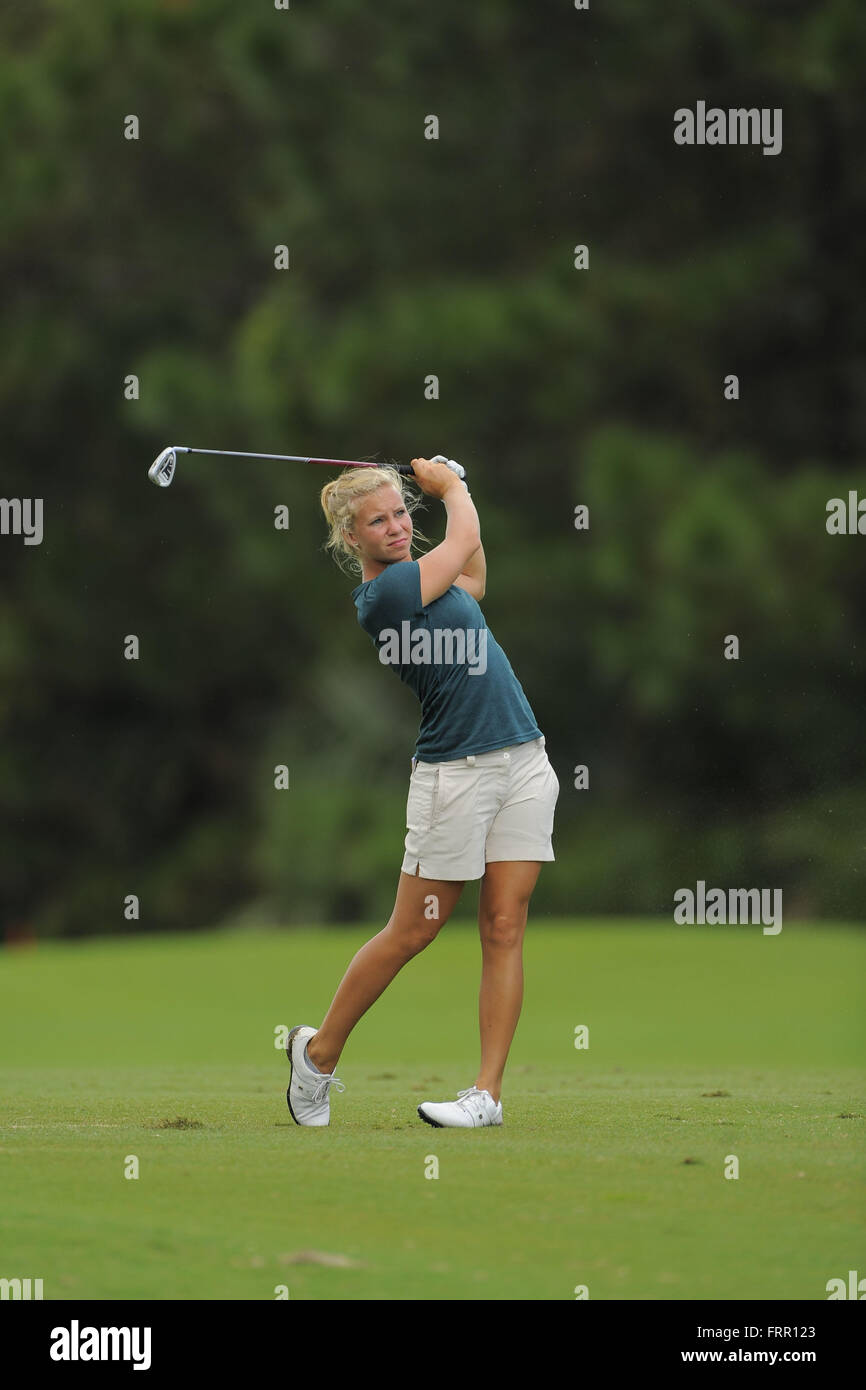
(161, 471)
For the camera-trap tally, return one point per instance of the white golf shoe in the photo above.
(307, 1094)
(471, 1109)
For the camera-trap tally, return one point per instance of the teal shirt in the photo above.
(471, 700)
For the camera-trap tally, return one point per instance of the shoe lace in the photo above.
(321, 1091)
(464, 1098)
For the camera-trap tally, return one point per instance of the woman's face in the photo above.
(382, 528)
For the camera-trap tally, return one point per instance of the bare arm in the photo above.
(473, 577)
(440, 568)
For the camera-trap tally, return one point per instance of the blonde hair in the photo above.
(340, 498)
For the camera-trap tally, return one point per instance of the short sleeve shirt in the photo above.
(471, 700)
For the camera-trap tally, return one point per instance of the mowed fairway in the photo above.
(704, 1042)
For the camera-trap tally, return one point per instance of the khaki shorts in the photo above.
(482, 809)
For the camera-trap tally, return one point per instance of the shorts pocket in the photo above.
(434, 800)
(457, 795)
(423, 799)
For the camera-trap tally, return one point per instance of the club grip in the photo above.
(407, 469)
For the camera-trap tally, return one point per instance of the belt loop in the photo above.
(471, 760)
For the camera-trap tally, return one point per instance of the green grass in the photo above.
(704, 1042)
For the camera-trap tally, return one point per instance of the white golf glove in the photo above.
(455, 467)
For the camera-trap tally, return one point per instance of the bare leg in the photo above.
(410, 928)
(503, 906)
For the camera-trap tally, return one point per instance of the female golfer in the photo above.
(482, 792)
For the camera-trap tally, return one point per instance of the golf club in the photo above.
(162, 470)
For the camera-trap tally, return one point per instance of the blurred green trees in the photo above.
(411, 257)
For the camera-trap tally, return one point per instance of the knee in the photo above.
(502, 930)
(414, 937)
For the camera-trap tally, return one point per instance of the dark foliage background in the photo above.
(409, 256)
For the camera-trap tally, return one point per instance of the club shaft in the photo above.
(289, 458)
